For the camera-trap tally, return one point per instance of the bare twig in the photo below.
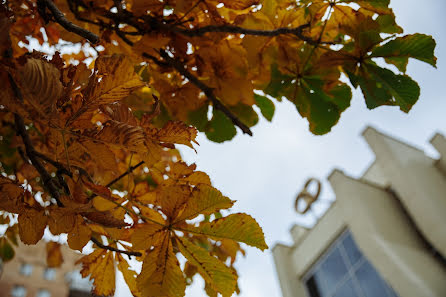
(110, 248)
(297, 31)
(179, 66)
(130, 170)
(69, 26)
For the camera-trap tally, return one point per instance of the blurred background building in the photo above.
(385, 234)
(27, 274)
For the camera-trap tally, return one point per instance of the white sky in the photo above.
(264, 172)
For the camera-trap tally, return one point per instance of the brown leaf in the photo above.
(53, 254)
(32, 224)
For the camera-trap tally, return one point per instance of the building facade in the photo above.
(385, 235)
(27, 274)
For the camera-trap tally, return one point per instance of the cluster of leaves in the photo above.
(88, 140)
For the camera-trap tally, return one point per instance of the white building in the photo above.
(385, 235)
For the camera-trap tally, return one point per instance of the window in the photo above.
(344, 272)
(26, 269)
(43, 293)
(18, 291)
(49, 273)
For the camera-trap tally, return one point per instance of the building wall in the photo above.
(390, 212)
(35, 255)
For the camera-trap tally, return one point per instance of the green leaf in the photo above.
(245, 113)
(6, 250)
(398, 62)
(417, 46)
(199, 118)
(381, 86)
(402, 88)
(321, 107)
(388, 25)
(220, 128)
(280, 84)
(266, 106)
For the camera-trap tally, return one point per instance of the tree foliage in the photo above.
(88, 139)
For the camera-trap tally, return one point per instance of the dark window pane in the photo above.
(353, 252)
(371, 283)
(332, 270)
(347, 290)
(312, 287)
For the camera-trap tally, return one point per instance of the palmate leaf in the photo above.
(221, 277)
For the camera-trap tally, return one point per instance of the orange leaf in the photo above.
(79, 236)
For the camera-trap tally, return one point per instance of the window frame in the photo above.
(337, 243)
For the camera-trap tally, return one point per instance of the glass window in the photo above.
(370, 282)
(18, 291)
(347, 290)
(351, 249)
(345, 272)
(49, 273)
(26, 269)
(331, 271)
(43, 293)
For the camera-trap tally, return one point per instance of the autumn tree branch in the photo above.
(20, 128)
(110, 248)
(69, 26)
(297, 31)
(179, 66)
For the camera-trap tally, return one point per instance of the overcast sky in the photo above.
(264, 172)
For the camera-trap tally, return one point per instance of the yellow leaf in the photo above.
(161, 274)
(128, 274)
(198, 177)
(151, 214)
(103, 204)
(147, 235)
(32, 224)
(114, 80)
(53, 254)
(221, 277)
(173, 198)
(100, 266)
(204, 200)
(104, 276)
(80, 235)
(177, 132)
(239, 227)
